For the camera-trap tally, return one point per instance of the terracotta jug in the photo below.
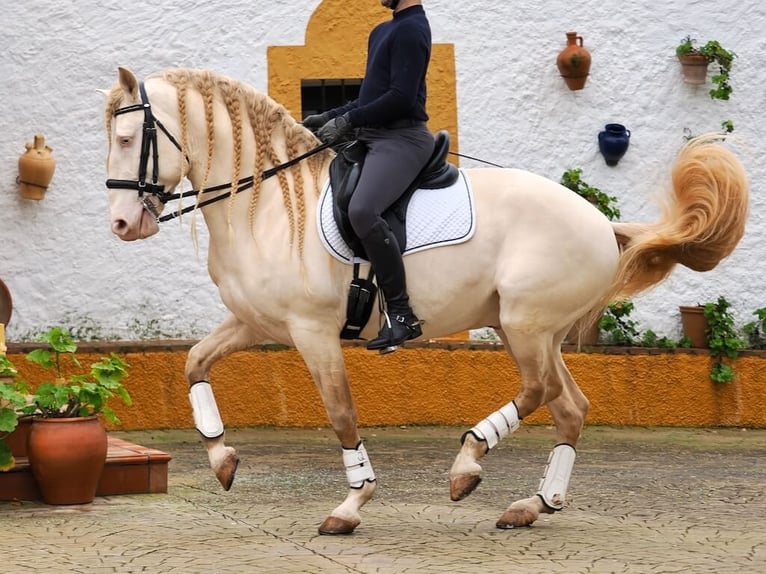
(574, 62)
(36, 169)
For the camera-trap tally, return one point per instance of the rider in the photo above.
(390, 119)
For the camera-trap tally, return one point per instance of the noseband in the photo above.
(153, 189)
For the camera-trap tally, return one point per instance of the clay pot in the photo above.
(574, 62)
(613, 143)
(67, 456)
(18, 439)
(36, 169)
(694, 68)
(694, 325)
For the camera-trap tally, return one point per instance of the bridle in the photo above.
(152, 189)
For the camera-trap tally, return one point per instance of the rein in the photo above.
(475, 159)
(242, 185)
(149, 146)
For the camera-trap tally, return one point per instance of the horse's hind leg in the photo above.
(545, 380)
(323, 355)
(230, 336)
(569, 410)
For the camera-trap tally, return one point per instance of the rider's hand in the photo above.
(315, 121)
(336, 129)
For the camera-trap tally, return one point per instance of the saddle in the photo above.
(344, 176)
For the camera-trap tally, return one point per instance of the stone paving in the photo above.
(641, 500)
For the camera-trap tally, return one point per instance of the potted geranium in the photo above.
(695, 60)
(12, 400)
(68, 444)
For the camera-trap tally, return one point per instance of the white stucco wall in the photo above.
(63, 265)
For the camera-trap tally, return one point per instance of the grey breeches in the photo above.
(394, 159)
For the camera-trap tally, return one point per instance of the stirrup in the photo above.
(396, 330)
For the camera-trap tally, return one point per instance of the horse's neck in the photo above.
(273, 227)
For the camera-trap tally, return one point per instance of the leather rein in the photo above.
(154, 189)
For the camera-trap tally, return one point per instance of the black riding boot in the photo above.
(401, 324)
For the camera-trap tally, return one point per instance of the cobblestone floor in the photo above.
(641, 500)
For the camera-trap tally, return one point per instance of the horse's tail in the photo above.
(702, 220)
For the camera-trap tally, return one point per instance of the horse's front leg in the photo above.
(230, 336)
(321, 350)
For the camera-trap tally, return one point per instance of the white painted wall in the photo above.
(63, 265)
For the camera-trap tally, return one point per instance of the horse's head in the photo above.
(145, 161)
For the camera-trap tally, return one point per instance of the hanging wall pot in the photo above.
(613, 143)
(36, 168)
(574, 62)
(694, 68)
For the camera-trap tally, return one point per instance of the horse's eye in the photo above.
(125, 141)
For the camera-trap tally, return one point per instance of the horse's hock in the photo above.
(434, 383)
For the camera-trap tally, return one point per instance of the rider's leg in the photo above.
(393, 160)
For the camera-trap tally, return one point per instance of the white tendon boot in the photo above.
(207, 419)
(498, 425)
(358, 466)
(555, 481)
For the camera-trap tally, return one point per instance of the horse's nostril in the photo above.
(119, 226)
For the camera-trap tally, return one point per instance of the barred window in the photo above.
(318, 96)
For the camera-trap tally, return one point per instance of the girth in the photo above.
(346, 168)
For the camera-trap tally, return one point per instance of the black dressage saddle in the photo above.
(344, 176)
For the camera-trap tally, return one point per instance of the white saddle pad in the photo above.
(435, 217)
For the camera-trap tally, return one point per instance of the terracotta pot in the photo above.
(694, 325)
(67, 456)
(36, 169)
(574, 62)
(18, 439)
(694, 68)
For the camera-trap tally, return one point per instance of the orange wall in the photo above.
(433, 383)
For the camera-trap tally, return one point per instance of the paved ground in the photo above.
(641, 500)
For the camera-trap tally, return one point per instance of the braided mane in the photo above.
(266, 117)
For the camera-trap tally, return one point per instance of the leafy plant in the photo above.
(12, 400)
(619, 328)
(713, 52)
(723, 339)
(572, 179)
(76, 395)
(755, 331)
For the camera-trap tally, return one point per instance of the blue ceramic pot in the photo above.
(613, 142)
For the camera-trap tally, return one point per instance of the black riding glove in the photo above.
(336, 129)
(315, 121)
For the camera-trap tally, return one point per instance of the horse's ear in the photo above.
(104, 93)
(128, 82)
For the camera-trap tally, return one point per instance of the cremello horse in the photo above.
(541, 258)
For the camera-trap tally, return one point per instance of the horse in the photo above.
(541, 259)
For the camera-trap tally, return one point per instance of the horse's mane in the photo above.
(266, 117)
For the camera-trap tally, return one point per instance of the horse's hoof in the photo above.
(515, 518)
(227, 470)
(333, 526)
(463, 485)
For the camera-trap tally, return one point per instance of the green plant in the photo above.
(572, 179)
(12, 400)
(755, 331)
(723, 339)
(76, 395)
(621, 330)
(713, 52)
